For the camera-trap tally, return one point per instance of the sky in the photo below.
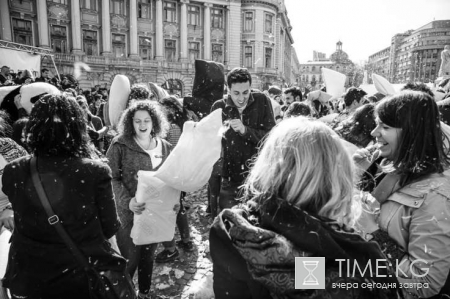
(363, 26)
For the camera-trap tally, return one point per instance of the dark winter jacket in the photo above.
(253, 249)
(238, 149)
(80, 192)
(126, 158)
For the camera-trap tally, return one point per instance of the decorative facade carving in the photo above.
(57, 11)
(217, 34)
(118, 21)
(171, 29)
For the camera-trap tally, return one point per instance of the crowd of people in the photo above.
(285, 186)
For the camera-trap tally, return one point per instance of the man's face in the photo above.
(289, 98)
(46, 74)
(5, 71)
(240, 92)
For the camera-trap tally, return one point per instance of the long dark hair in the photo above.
(357, 128)
(421, 148)
(56, 127)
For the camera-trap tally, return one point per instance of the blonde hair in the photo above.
(303, 162)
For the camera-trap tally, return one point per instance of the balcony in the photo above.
(64, 57)
(121, 62)
(269, 71)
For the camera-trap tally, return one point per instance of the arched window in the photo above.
(173, 86)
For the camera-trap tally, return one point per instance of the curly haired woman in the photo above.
(139, 146)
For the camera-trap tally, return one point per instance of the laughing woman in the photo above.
(138, 146)
(409, 177)
(300, 203)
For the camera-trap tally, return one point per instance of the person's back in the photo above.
(79, 190)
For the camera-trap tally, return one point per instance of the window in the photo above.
(170, 47)
(59, 1)
(248, 56)
(145, 48)
(193, 15)
(90, 42)
(117, 7)
(23, 33)
(118, 45)
(248, 21)
(217, 52)
(173, 86)
(144, 9)
(89, 4)
(268, 58)
(194, 51)
(216, 18)
(170, 11)
(268, 25)
(59, 38)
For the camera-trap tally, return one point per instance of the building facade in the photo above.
(155, 40)
(414, 55)
(311, 74)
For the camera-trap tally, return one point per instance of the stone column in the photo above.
(6, 21)
(183, 32)
(159, 31)
(133, 30)
(42, 23)
(207, 32)
(76, 27)
(106, 28)
(234, 35)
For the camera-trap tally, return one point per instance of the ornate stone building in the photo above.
(155, 40)
(311, 74)
(414, 55)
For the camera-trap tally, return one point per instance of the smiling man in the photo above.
(249, 117)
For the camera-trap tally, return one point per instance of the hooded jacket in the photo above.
(254, 248)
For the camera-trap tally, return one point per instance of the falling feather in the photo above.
(78, 66)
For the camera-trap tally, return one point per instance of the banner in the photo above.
(18, 60)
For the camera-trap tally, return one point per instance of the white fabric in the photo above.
(118, 98)
(334, 82)
(30, 90)
(323, 97)
(5, 235)
(190, 163)
(370, 89)
(155, 154)
(328, 118)
(157, 222)
(276, 108)
(19, 60)
(382, 85)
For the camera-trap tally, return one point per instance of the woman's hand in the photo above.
(367, 222)
(135, 207)
(7, 219)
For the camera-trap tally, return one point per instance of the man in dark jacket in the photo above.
(250, 117)
(45, 76)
